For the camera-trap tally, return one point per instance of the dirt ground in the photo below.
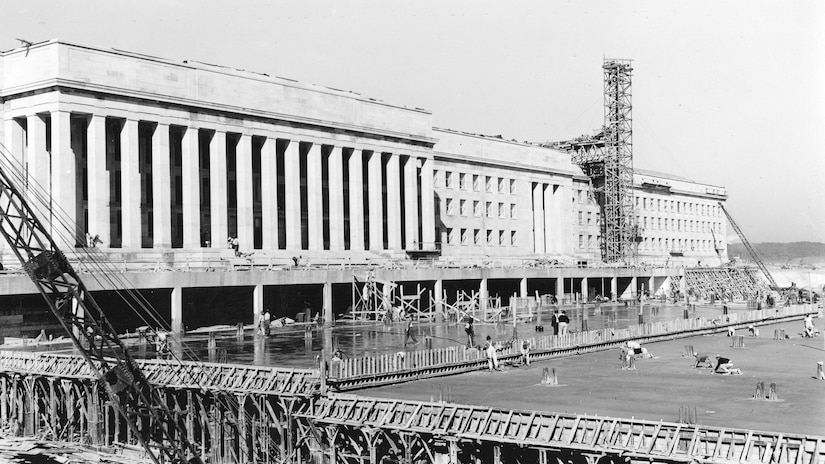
(595, 384)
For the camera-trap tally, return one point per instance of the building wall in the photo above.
(147, 153)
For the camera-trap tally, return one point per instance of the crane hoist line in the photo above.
(750, 249)
(69, 300)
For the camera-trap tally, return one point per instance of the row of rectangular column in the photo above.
(549, 224)
(58, 178)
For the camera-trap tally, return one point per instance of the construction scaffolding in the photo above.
(730, 283)
(377, 300)
(607, 159)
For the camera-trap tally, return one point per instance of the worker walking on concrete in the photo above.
(468, 328)
(408, 333)
(563, 321)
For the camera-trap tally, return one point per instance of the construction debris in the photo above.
(27, 450)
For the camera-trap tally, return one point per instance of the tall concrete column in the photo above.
(651, 285)
(411, 203)
(522, 287)
(549, 219)
(438, 295)
(269, 194)
(161, 188)
(356, 200)
(393, 202)
(538, 220)
(292, 194)
(39, 175)
(130, 185)
(64, 179)
(190, 182)
(376, 202)
(327, 304)
(177, 310)
(427, 203)
(614, 289)
(257, 302)
(562, 205)
(633, 286)
(217, 187)
(315, 205)
(15, 140)
(584, 291)
(560, 288)
(243, 173)
(336, 199)
(483, 296)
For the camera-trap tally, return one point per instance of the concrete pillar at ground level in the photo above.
(438, 296)
(243, 173)
(336, 199)
(522, 287)
(483, 296)
(161, 187)
(292, 194)
(584, 291)
(651, 285)
(190, 183)
(633, 287)
(130, 185)
(614, 289)
(177, 310)
(327, 308)
(257, 302)
(549, 220)
(64, 179)
(560, 288)
(356, 200)
(217, 186)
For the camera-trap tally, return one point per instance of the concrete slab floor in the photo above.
(595, 384)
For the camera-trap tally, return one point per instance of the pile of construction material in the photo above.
(27, 450)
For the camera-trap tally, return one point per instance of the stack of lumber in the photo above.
(33, 450)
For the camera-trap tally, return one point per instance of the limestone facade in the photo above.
(151, 154)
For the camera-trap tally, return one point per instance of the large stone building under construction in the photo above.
(164, 161)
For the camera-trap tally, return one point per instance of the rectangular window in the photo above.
(502, 238)
(512, 186)
(463, 207)
(589, 241)
(464, 237)
(476, 184)
(477, 236)
(450, 178)
(450, 236)
(490, 237)
(488, 183)
(488, 209)
(513, 211)
(449, 203)
(476, 208)
(462, 181)
(502, 185)
(436, 182)
(513, 239)
(581, 241)
(502, 211)
(581, 218)
(589, 217)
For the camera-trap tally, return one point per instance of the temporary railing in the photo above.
(410, 365)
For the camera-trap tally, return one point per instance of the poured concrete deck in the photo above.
(595, 384)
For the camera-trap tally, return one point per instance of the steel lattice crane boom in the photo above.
(750, 249)
(128, 389)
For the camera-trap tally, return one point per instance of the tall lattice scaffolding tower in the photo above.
(607, 159)
(618, 219)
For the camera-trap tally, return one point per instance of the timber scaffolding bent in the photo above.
(732, 283)
(368, 371)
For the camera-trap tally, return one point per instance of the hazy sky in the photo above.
(729, 93)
